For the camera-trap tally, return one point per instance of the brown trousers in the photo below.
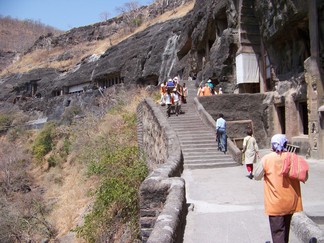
(280, 227)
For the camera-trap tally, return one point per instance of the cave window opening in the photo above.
(281, 118)
(56, 93)
(68, 102)
(303, 117)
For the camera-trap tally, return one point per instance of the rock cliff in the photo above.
(204, 44)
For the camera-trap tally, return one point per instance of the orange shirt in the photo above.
(282, 195)
(200, 92)
(207, 91)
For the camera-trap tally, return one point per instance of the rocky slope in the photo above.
(203, 43)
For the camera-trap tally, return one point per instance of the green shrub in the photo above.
(117, 198)
(14, 133)
(115, 160)
(65, 150)
(5, 122)
(51, 161)
(44, 141)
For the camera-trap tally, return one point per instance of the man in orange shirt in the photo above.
(282, 195)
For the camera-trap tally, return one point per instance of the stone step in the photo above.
(199, 152)
(206, 159)
(207, 156)
(197, 131)
(196, 134)
(204, 146)
(197, 125)
(194, 140)
(208, 165)
(197, 140)
(196, 137)
(185, 121)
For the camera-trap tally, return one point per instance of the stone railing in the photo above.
(162, 194)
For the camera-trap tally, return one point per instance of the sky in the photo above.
(63, 14)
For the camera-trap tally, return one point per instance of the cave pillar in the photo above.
(314, 80)
(292, 128)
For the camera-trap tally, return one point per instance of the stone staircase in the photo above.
(197, 140)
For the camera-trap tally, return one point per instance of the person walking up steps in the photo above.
(221, 133)
(163, 89)
(282, 195)
(177, 101)
(168, 102)
(250, 151)
(184, 93)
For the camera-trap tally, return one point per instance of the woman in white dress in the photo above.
(251, 152)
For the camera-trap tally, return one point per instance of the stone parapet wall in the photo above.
(162, 194)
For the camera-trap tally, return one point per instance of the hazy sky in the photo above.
(63, 14)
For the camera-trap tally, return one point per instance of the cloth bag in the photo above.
(295, 167)
(243, 157)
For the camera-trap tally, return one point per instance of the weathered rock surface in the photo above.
(204, 43)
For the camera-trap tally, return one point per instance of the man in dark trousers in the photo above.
(221, 133)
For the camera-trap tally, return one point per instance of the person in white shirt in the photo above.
(168, 102)
(221, 133)
(177, 101)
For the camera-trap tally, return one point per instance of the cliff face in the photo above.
(285, 32)
(204, 44)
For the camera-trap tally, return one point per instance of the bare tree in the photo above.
(131, 16)
(22, 210)
(12, 167)
(128, 7)
(162, 5)
(104, 16)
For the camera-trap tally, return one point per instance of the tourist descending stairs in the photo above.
(198, 141)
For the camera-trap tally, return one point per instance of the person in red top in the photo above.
(282, 195)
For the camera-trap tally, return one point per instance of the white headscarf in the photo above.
(278, 142)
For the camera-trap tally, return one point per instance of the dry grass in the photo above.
(66, 192)
(174, 14)
(47, 58)
(72, 200)
(67, 186)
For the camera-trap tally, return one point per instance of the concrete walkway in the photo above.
(228, 207)
(224, 205)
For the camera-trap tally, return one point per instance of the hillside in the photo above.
(19, 35)
(70, 48)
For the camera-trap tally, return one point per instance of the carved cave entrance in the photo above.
(109, 80)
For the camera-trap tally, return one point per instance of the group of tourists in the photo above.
(173, 95)
(208, 89)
